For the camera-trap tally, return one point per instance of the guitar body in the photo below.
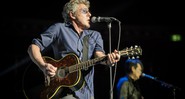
(74, 80)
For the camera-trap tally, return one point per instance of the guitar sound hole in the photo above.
(61, 73)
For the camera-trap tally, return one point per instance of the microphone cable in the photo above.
(118, 45)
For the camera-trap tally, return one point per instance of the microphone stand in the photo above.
(168, 86)
(111, 87)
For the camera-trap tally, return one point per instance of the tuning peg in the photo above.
(136, 46)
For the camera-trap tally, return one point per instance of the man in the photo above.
(127, 86)
(66, 38)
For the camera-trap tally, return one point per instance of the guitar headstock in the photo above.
(132, 52)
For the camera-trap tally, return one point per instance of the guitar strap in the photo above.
(85, 58)
(85, 48)
(85, 54)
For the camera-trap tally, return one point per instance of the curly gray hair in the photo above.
(71, 6)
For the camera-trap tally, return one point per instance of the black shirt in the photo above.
(127, 88)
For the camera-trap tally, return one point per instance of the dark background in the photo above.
(147, 23)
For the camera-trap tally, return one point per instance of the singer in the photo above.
(127, 86)
(71, 42)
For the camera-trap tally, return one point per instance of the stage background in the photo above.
(148, 24)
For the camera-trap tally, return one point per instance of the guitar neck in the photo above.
(127, 52)
(86, 64)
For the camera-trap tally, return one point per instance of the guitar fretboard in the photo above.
(86, 64)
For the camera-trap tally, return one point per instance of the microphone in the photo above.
(103, 19)
(148, 76)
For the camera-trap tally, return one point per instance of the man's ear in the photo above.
(72, 15)
(133, 69)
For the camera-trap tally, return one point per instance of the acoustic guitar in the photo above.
(69, 73)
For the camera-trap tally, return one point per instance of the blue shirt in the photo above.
(64, 40)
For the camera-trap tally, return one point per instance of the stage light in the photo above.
(176, 37)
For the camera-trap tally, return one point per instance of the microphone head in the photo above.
(93, 19)
(143, 75)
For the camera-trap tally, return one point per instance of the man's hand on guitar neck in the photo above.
(113, 58)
